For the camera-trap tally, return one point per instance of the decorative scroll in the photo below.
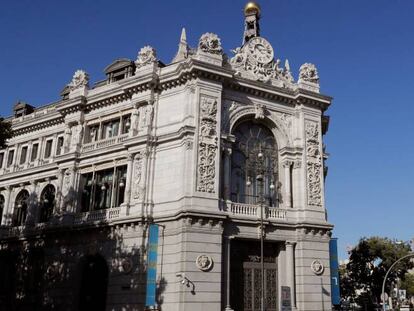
(314, 164)
(207, 147)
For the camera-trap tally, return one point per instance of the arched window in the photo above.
(1, 207)
(20, 208)
(47, 203)
(254, 165)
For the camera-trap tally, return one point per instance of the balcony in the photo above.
(253, 211)
(104, 215)
(103, 143)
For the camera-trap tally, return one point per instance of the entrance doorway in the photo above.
(94, 284)
(246, 273)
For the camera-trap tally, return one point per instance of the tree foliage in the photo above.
(5, 132)
(369, 261)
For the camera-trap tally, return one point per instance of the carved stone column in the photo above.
(228, 253)
(227, 174)
(288, 192)
(128, 180)
(134, 123)
(290, 270)
(6, 213)
(297, 191)
(67, 138)
(59, 196)
(32, 204)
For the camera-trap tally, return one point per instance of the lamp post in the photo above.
(386, 275)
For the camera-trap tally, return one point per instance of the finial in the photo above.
(182, 52)
(183, 38)
(252, 8)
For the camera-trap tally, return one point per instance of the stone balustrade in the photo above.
(104, 143)
(253, 211)
(99, 215)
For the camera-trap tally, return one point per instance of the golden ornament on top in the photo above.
(252, 8)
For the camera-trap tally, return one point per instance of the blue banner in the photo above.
(333, 255)
(152, 265)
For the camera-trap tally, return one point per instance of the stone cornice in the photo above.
(37, 124)
(71, 105)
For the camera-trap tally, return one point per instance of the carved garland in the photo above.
(313, 164)
(207, 146)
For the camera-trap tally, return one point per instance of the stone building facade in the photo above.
(213, 149)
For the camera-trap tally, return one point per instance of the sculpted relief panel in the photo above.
(313, 164)
(207, 145)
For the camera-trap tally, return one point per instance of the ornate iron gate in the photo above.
(252, 286)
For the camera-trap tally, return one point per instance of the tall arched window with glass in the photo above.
(20, 208)
(47, 203)
(254, 164)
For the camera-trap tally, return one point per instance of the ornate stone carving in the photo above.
(313, 163)
(127, 265)
(286, 119)
(259, 111)
(146, 56)
(207, 148)
(210, 43)
(256, 60)
(317, 267)
(138, 191)
(308, 73)
(80, 79)
(204, 262)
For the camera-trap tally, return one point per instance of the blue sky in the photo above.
(364, 51)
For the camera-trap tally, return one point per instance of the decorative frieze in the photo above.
(207, 145)
(313, 164)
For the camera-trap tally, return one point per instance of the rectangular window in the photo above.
(100, 190)
(35, 149)
(48, 149)
(1, 159)
(110, 129)
(10, 158)
(59, 146)
(23, 155)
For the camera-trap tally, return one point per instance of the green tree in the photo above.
(407, 283)
(367, 266)
(5, 132)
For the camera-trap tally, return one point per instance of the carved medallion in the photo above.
(204, 262)
(317, 267)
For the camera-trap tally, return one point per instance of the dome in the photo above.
(252, 8)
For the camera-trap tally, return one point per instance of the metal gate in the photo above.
(252, 286)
